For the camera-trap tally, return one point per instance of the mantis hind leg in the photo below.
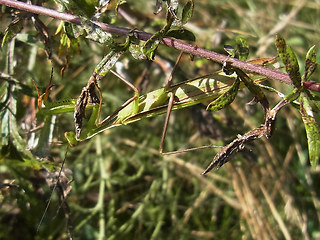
(165, 127)
(170, 104)
(169, 109)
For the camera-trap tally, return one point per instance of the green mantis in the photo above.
(219, 89)
(154, 103)
(185, 94)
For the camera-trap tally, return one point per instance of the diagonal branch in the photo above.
(185, 47)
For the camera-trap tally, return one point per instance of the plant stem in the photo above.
(185, 47)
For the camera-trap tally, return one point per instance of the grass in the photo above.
(122, 188)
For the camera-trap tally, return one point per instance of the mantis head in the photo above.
(71, 138)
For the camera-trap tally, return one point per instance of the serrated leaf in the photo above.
(12, 30)
(310, 64)
(311, 120)
(187, 12)
(289, 59)
(225, 99)
(182, 34)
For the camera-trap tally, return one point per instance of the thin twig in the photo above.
(185, 47)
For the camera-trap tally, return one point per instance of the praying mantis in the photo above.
(163, 100)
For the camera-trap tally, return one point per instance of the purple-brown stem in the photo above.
(185, 47)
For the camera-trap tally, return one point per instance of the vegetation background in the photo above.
(122, 188)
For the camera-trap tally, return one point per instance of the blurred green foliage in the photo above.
(122, 188)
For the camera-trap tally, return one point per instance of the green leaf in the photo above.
(119, 3)
(69, 29)
(158, 7)
(225, 99)
(96, 34)
(108, 62)
(241, 51)
(150, 47)
(83, 8)
(311, 120)
(30, 39)
(242, 48)
(289, 59)
(71, 138)
(152, 43)
(36, 164)
(12, 30)
(69, 43)
(5, 130)
(230, 50)
(182, 34)
(136, 52)
(13, 147)
(252, 87)
(5, 113)
(187, 12)
(311, 63)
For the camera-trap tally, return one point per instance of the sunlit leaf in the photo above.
(187, 12)
(108, 62)
(149, 48)
(158, 7)
(5, 114)
(83, 8)
(12, 30)
(225, 99)
(311, 119)
(136, 52)
(242, 50)
(98, 35)
(290, 61)
(310, 64)
(69, 43)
